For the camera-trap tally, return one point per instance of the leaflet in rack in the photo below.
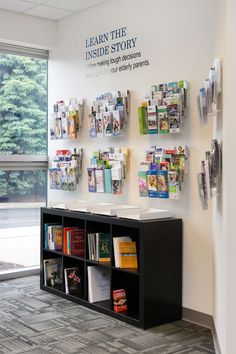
(107, 170)
(109, 114)
(66, 119)
(209, 98)
(164, 108)
(161, 174)
(65, 170)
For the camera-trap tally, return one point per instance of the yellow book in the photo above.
(128, 255)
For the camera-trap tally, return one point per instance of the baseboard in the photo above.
(204, 320)
(24, 272)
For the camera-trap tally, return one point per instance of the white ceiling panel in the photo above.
(49, 9)
(72, 5)
(15, 5)
(50, 13)
(37, 2)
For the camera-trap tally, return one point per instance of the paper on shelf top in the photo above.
(148, 214)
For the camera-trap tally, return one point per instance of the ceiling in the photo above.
(49, 9)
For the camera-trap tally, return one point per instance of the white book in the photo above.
(94, 208)
(149, 214)
(98, 284)
(116, 241)
(133, 210)
(113, 209)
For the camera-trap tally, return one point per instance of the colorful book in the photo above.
(119, 301)
(53, 273)
(162, 184)
(77, 242)
(103, 247)
(73, 281)
(57, 231)
(128, 255)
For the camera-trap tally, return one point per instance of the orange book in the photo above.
(127, 254)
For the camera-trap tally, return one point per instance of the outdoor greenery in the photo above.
(23, 119)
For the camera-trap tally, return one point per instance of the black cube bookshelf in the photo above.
(154, 291)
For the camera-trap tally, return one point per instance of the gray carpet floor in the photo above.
(36, 322)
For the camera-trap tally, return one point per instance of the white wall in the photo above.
(229, 194)
(26, 30)
(180, 39)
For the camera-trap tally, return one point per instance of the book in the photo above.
(142, 182)
(116, 241)
(162, 184)
(127, 255)
(77, 242)
(98, 284)
(142, 114)
(103, 247)
(152, 119)
(152, 183)
(73, 281)
(66, 242)
(53, 272)
(57, 231)
(119, 301)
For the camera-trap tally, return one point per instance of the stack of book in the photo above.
(99, 247)
(125, 253)
(53, 237)
(73, 241)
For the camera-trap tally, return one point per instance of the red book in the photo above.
(65, 241)
(77, 242)
(119, 300)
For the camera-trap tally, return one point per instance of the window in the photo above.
(23, 153)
